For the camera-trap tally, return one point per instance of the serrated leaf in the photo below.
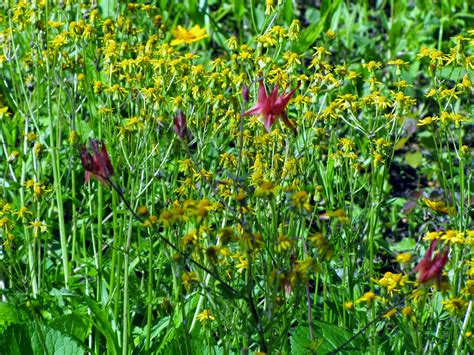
(75, 325)
(300, 341)
(334, 337)
(413, 159)
(51, 341)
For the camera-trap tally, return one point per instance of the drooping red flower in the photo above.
(272, 106)
(98, 163)
(180, 126)
(429, 267)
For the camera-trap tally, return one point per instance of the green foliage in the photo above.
(223, 176)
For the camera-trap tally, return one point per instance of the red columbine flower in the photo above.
(272, 106)
(98, 163)
(430, 268)
(180, 126)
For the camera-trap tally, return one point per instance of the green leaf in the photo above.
(101, 322)
(337, 336)
(75, 325)
(15, 340)
(108, 7)
(312, 32)
(413, 159)
(8, 314)
(401, 143)
(405, 244)
(51, 341)
(288, 11)
(239, 9)
(301, 343)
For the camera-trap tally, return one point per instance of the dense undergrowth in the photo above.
(207, 177)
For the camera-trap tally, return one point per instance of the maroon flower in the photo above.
(272, 106)
(430, 268)
(245, 93)
(180, 126)
(98, 163)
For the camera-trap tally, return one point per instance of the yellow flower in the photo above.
(72, 139)
(468, 289)
(438, 206)
(392, 282)
(22, 213)
(38, 226)
(427, 120)
(403, 258)
(183, 36)
(455, 305)
(390, 313)
(453, 237)
(407, 310)
(189, 278)
(284, 243)
(372, 65)
(266, 189)
(299, 200)
(339, 214)
(4, 112)
(368, 297)
(205, 316)
(244, 264)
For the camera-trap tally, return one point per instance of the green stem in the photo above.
(126, 309)
(54, 148)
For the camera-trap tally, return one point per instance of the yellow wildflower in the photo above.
(453, 237)
(367, 297)
(284, 243)
(189, 278)
(468, 289)
(38, 226)
(438, 206)
(407, 310)
(392, 282)
(183, 36)
(390, 313)
(403, 258)
(455, 305)
(205, 316)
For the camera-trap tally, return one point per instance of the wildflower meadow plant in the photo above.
(152, 202)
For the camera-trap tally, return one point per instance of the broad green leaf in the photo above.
(334, 337)
(301, 343)
(239, 9)
(108, 7)
(75, 325)
(405, 244)
(51, 341)
(413, 159)
(15, 340)
(8, 314)
(288, 11)
(101, 322)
